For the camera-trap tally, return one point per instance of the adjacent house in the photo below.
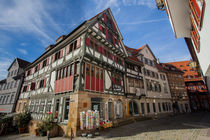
(195, 85)
(10, 87)
(178, 91)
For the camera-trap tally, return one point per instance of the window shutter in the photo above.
(113, 38)
(44, 82)
(117, 41)
(38, 66)
(197, 8)
(99, 49)
(114, 28)
(111, 56)
(107, 37)
(100, 28)
(61, 53)
(78, 42)
(41, 65)
(53, 57)
(27, 88)
(67, 48)
(87, 41)
(105, 18)
(48, 61)
(38, 84)
(113, 80)
(102, 50)
(115, 58)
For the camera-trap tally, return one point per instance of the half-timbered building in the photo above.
(82, 71)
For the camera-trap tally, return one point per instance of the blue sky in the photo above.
(27, 27)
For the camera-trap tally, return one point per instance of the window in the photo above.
(148, 108)
(16, 82)
(48, 106)
(66, 109)
(75, 45)
(28, 72)
(57, 108)
(44, 63)
(41, 107)
(41, 84)
(159, 106)
(33, 85)
(12, 98)
(169, 106)
(15, 73)
(163, 106)
(142, 108)
(24, 88)
(11, 74)
(110, 37)
(165, 88)
(8, 74)
(36, 108)
(57, 55)
(71, 47)
(1, 99)
(97, 104)
(7, 99)
(8, 84)
(36, 68)
(11, 86)
(154, 108)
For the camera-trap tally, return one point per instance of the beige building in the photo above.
(157, 96)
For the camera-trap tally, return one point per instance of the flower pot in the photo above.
(21, 130)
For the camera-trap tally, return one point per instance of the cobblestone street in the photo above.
(194, 126)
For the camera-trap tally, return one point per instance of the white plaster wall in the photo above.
(178, 12)
(203, 56)
(147, 54)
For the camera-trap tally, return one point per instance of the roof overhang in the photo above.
(179, 15)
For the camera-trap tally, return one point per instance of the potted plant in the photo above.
(22, 121)
(49, 123)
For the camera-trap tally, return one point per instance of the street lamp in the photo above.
(160, 5)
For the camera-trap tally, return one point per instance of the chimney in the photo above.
(60, 38)
(49, 47)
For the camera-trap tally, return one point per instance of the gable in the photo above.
(106, 23)
(147, 52)
(14, 65)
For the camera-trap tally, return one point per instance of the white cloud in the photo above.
(5, 63)
(144, 21)
(23, 51)
(148, 3)
(23, 44)
(28, 16)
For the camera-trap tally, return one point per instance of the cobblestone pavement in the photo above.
(194, 126)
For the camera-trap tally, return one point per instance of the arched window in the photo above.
(133, 108)
(119, 109)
